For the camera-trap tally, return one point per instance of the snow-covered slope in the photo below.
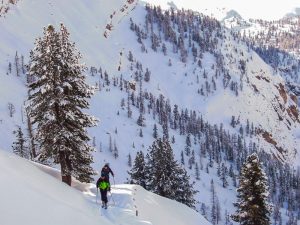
(30, 196)
(277, 42)
(281, 33)
(101, 30)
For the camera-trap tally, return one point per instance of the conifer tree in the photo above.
(141, 133)
(129, 160)
(165, 176)
(215, 208)
(182, 158)
(173, 139)
(115, 150)
(203, 210)
(155, 135)
(20, 147)
(57, 99)
(223, 175)
(110, 145)
(252, 205)
(197, 172)
(137, 172)
(140, 120)
(129, 112)
(17, 64)
(9, 67)
(147, 75)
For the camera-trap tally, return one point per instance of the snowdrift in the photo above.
(30, 196)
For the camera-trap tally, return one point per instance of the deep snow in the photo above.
(86, 21)
(31, 196)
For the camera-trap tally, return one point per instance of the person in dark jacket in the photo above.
(106, 171)
(104, 186)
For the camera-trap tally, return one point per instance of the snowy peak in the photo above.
(234, 20)
(232, 14)
(230, 18)
(294, 13)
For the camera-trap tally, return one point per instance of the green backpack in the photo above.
(103, 185)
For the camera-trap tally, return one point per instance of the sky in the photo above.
(257, 9)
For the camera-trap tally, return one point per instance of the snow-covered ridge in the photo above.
(294, 13)
(5, 6)
(30, 196)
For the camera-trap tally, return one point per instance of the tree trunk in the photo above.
(65, 166)
(66, 179)
(31, 136)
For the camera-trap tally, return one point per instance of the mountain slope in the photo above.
(29, 196)
(37, 198)
(277, 43)
(97, 50)
(230, 102)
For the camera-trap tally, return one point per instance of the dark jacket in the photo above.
(104, 187)
(105, 172)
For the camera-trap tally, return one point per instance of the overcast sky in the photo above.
(263, 9)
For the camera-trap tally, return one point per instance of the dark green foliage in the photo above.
(20, 147)
(215, 205)
(197, 172)
(252, 205)
(155, 135)
(137, 173)
(165, 176)
(57, 97)
(129, 160)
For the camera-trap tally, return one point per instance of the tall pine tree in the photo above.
(57, 97)
(165, 176)
(252, 205)
(137, 173)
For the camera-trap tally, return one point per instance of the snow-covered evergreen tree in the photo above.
(137, 172)
(215, 205)
(155, 135)
(197, 172)
(20, 147)
(129, 162)
(115, 150)
(165, 176)
(57, 99)
(252, 205)
(223, 175)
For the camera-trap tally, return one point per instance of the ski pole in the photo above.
(112, 198)
(114, 181)
(97, 196)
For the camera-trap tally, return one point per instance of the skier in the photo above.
(104, 186)
(105, 172)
